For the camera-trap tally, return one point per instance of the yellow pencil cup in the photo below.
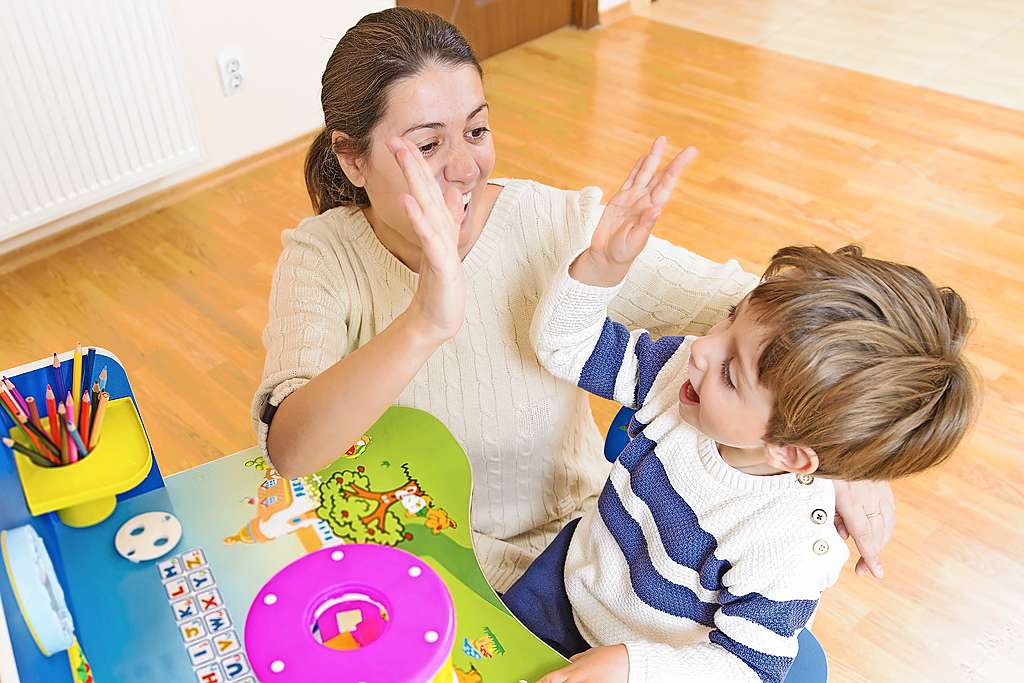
(85, 492)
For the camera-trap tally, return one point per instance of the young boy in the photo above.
(713, 537)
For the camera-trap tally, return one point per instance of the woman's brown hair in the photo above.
(865, 362)
(384, 47)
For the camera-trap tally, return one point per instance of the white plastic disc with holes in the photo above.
(148, 536)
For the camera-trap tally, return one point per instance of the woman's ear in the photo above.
(792, 458)
(350, 164)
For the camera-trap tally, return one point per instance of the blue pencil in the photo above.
(58, 378)
(87, 365)
(73, 433)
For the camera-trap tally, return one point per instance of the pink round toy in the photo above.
(358, 613)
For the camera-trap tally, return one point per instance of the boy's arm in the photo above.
(575, 340)
(571, 333)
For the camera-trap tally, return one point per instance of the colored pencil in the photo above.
(40, 441)
(10, 410)
(103, 378)
(76, 437)
(33, 412)
(97, 425)
(18, 398)
(9, 403)
(76, 380)
(87, 368)
(95, 404)
(21, 419)
(27, 452)
(85, 417)
(9, 399)
(72, 446)
(58, 377)
(61, 412)
(51, 414)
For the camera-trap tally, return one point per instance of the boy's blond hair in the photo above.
(865, 362)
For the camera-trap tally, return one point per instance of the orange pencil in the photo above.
(84, 417)
(51, 414)
(37, 437)
(101, 410)
(33, 412)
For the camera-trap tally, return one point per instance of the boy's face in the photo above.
(722, 397)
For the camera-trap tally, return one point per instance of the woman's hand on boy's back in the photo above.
(866, 510)
(439, 305)
(629, 217)
(608, 664)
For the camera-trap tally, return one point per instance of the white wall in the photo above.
(603, 5)
(284, 47)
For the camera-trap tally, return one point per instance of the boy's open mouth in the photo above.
(688, 395)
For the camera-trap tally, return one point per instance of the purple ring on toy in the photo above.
(415, 643)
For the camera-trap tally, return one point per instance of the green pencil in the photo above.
(27, 452)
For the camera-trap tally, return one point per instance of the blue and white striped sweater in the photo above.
(704, 572)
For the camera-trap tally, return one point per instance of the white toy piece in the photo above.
(148, 536)
(35, 585)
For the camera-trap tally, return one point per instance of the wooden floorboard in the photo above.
(792, 152)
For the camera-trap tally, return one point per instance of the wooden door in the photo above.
(491, 26)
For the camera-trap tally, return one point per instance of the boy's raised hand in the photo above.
(629, 217)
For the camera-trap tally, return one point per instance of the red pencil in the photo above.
(84, 418)
(51, 414)
(18, 398)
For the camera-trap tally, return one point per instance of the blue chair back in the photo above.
(810, 665)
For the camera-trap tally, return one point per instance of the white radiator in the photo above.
(92, 103)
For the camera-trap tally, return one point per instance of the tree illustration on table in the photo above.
(358, 514)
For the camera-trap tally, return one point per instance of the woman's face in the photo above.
(442, 111)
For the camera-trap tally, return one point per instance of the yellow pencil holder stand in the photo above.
(85, 493)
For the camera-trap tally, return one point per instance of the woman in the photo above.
(362, 316)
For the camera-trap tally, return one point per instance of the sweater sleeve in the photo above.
(307, 326)
(756, 624)
(576, 341)
(670, 290)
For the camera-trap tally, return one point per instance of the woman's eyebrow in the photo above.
(477, 111)
(436, 124)
(433, 125)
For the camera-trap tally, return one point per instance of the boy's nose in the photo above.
(697, 356)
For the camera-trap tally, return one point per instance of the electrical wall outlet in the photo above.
(232, 74)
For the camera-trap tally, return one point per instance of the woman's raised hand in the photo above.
(629, 217)
(440, 299)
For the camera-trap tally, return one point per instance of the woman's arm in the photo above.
(322, 417)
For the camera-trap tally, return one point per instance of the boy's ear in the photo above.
(792, 458)
(351, 165)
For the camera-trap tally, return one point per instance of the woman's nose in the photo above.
(460, 167)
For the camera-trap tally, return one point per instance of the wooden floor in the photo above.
(972, 48)
(792, 152)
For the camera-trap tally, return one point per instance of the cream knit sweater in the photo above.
(535, 452)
